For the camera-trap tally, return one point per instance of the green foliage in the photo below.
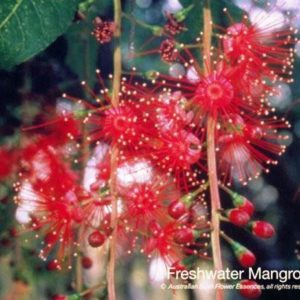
(29, 26)
(83, 48)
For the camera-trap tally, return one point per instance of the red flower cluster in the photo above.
(158, 130)
(233, 87)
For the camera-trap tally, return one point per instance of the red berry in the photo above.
(86, 262)
(59, 297)
(249, 289)
(247, 259)
(184, 236)
(238, 217)
(96, 239)
(176, 209)
(262, 229)
(53, 265)
(154, 228)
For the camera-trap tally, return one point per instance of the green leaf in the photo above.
(29, 26)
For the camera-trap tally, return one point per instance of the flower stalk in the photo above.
(114, 153)
(211, 157)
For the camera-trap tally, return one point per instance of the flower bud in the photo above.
(237, 217)
(96, 239)
(244, 256)
(262, 229)
(242, 203)
(183, 13)
(176, 209)
(185, 236)
(249, 289)
(86, 262)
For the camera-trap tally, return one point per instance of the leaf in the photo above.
(29, 26)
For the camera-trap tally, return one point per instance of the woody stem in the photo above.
(211, 155)
(114, 152)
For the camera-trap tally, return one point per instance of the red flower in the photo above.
(177, 150)
(48, 192)
(143, 203)
(216, 93)
(127, 125)
(161, 242)
(247, 145)
(265, 51)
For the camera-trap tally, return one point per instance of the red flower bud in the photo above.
(238, 217)
(242, 202)
(262, 229)
(245, 257)
(184, 236)
(246, 206)
(176, 209)
(249, 289)
(86, 262)
(96, 239)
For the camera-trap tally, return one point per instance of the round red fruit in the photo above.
(249, 289)
(96, 239)
(176, 209)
